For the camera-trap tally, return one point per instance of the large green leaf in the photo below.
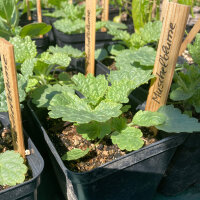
(94, 130)
(93, 88)
(72, 108)
(128, 139)
(12, 168)
(101, 54)
(43, 95)
(69, 50)
(148, 118)
(177, 122)
(75, 154)
(24, 48)
(35, 29)
(115, 49)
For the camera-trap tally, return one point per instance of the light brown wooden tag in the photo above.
(39, 13)
(90, 33)
(12, 95)
(190, 37)
(167, 54)
(28, 10)
(164, 9)
(105, 12)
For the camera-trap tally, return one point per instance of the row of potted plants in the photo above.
(106, 141)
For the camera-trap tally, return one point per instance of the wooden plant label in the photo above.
(164, 9)
(10, 81)
(105, 12)
(190, 37)
(28, 10)
(90, 32)
(167, 54)
(39, 13)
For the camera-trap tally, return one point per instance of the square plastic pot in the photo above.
(184, 169)
(78, 40)
(28, 189)
(133, 176)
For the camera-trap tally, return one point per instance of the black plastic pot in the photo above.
(42, 43)
(28, 189)
(184, 169)
(133, 176)
(78, 40)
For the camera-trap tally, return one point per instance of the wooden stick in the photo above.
(167, 54)
(190, 37)
(70, 1)
(90, 32)
(105, 12)
(39, 13)
(28, 10)
(10, 80)
(164, 9)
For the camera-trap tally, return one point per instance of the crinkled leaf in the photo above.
(195, 101)
(34, 29)
(69, 27)
(120, 90)
(65, 78)
(180, 94)
(75, 154)
(32, 82)
(28, 66)
(22, 83)
(69, 50)
(151, 31)
(148, 118)
(44, 94)
(94, 130)
(12, 168)
(128, 139)
(136, 75)
(110, 25)
(101, 54)
(126, 108)
(177, 122)
(61, 59)
(72, 108)
(93, 88)
(24, 48)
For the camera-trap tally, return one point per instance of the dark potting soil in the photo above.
(65, 138)
(6, 144)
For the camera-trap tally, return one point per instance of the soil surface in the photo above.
(65, 138)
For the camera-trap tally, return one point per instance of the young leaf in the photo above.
(24, 48)
(93, 88)
(28, 66)
(148, 118)
(75, 154)
(115, 49)
(12, 168)
(94, 130)
(34, 30)
(119, 123)
(128, 139)
(176, 122)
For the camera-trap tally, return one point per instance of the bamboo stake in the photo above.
(39, 13)
(190, 37)
(90, 32)
(28, 10)
(167, 54)
(10, 81)
(105, 12)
